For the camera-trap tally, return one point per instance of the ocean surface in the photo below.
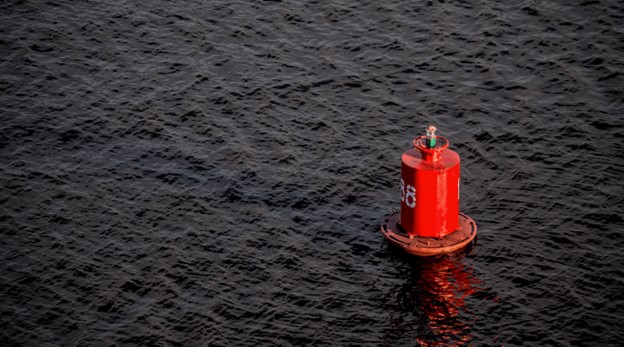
(215, 173)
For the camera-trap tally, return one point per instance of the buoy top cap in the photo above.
(431, 145)
(421, 143)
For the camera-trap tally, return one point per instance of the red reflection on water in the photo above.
(447, 283)
(433, 301)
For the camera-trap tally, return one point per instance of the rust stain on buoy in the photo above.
(429, 222)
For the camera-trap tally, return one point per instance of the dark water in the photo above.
(214, 173)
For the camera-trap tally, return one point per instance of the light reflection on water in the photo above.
(431, 302)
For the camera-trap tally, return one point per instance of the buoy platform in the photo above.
(429, 246)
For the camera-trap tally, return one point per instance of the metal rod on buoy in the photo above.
(429, 222)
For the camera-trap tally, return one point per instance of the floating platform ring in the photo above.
(429, 246)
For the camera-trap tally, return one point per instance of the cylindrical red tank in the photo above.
(430, 188)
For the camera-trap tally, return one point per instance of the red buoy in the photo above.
(429, 222)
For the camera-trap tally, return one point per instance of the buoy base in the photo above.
(429, 246)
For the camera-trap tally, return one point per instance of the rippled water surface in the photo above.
(214, 173)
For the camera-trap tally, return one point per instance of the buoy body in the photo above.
(429, 221)
(429, 193)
